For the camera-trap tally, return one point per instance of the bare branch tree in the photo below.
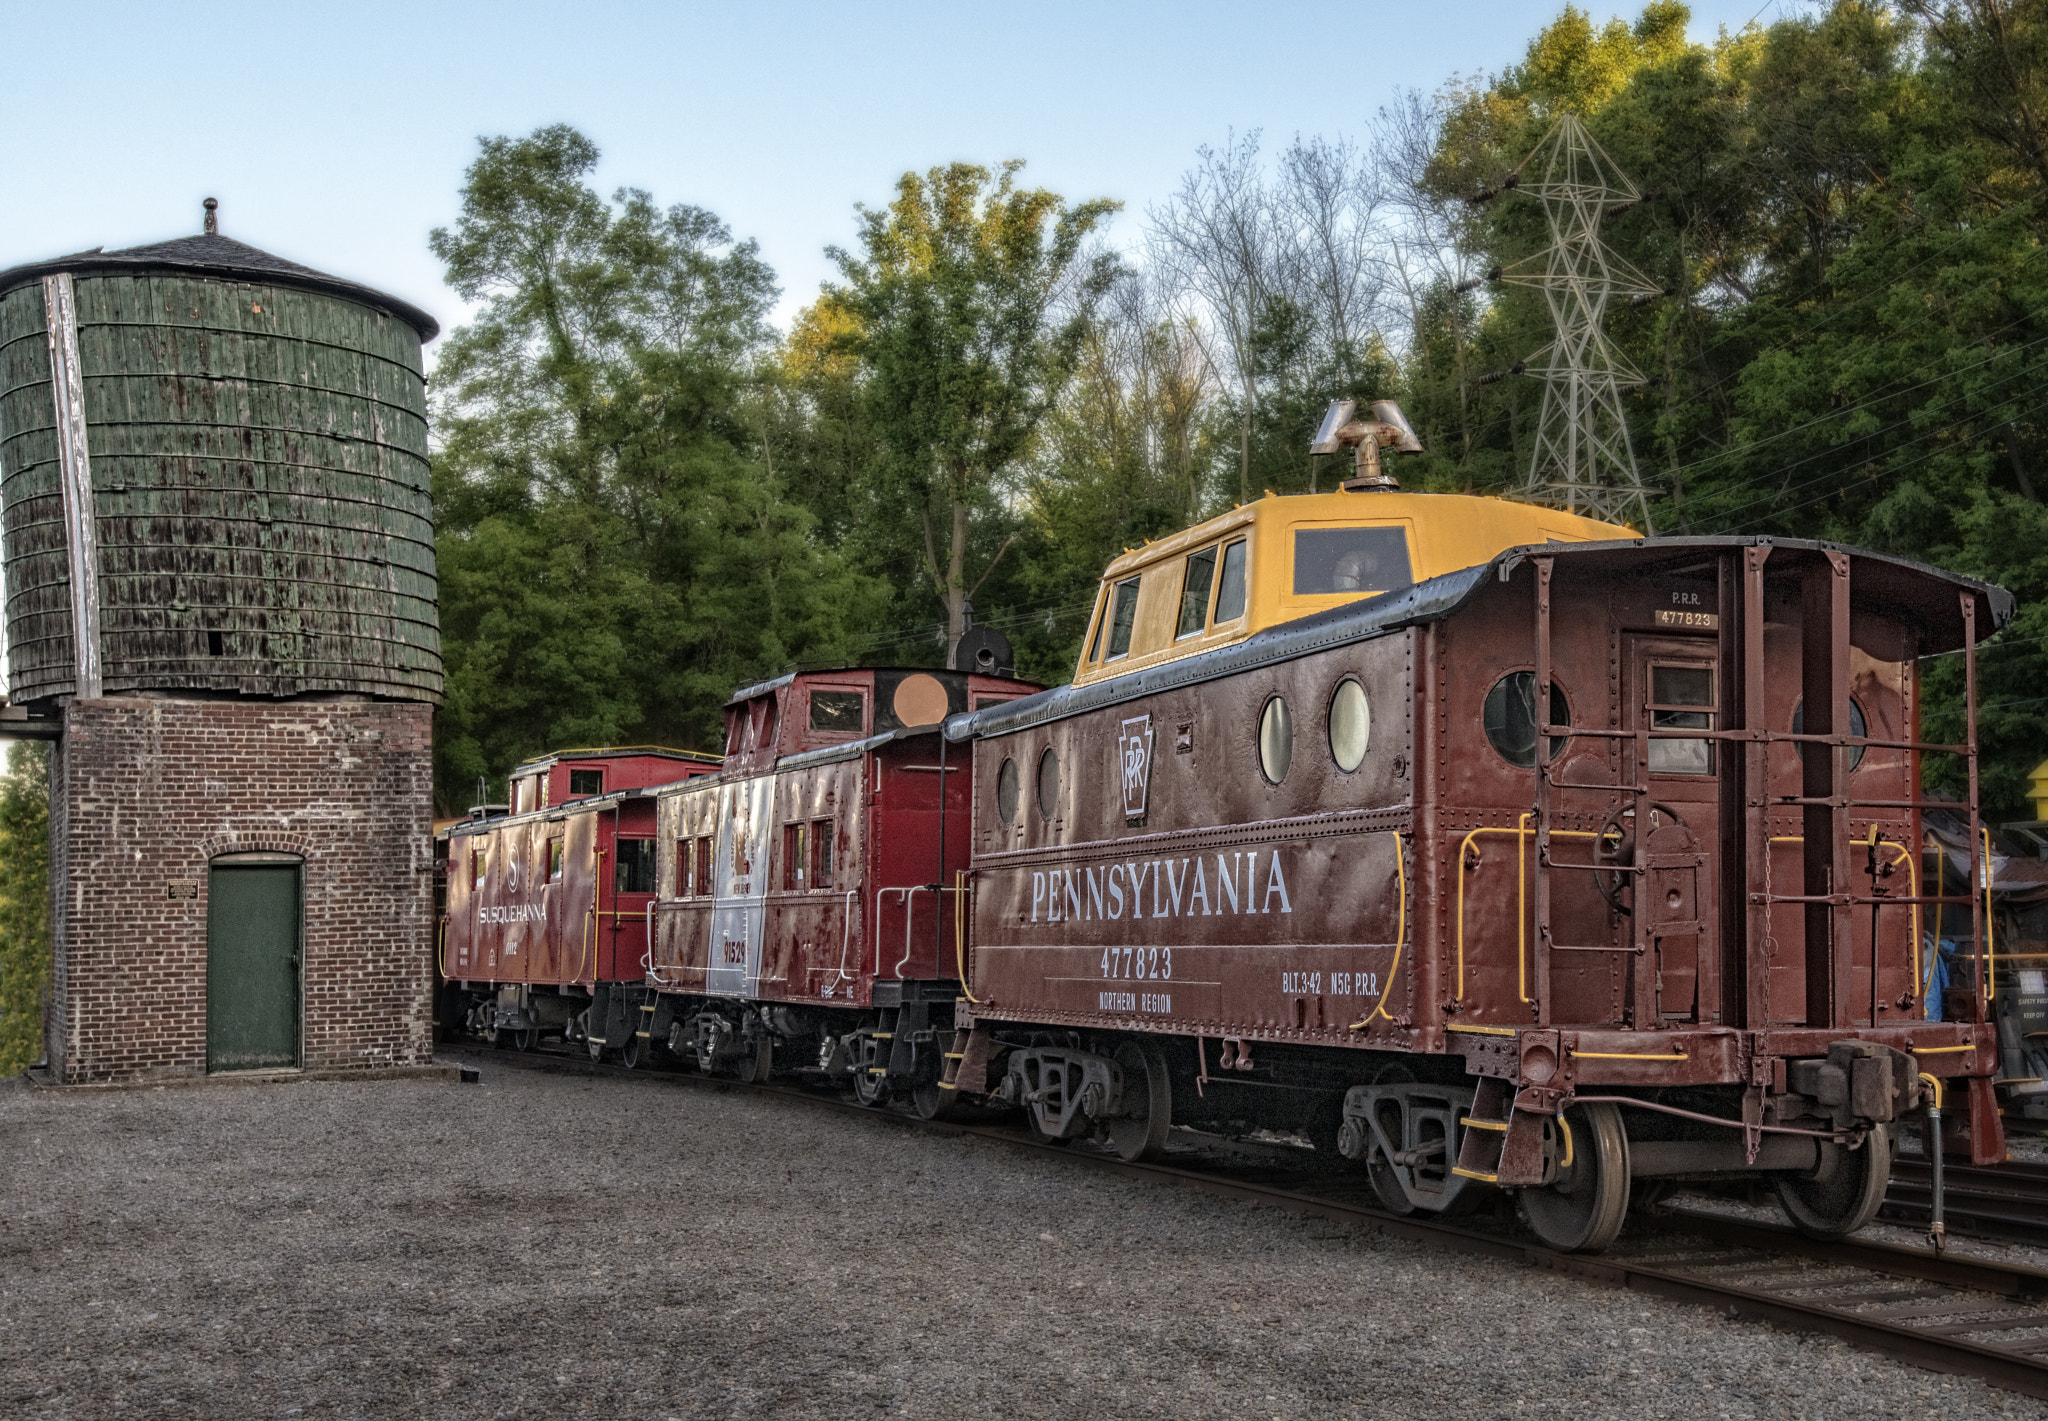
(1328, 200)
(1216, 245)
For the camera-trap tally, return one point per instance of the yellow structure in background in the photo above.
(2037, 790)
(1279, 558)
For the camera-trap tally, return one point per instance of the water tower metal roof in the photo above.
(216, 255)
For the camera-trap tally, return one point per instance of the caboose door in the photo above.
(1672, 687)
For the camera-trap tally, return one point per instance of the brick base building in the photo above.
(313, 815)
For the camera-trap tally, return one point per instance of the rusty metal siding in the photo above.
(260, 476)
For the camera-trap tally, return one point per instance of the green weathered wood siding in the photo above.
(31, 506)
(259, 470)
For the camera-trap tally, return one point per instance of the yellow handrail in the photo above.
(441, 951)
(1912, 862)
(1522, 831)
(960, 932)
(1379, 1008)
(1626, 1056)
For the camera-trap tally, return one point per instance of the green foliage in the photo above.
(965, 313)
(646, 498)
(1847, 209)
(24, 903)
(616, 552)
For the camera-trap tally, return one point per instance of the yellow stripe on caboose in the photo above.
(1283, 557)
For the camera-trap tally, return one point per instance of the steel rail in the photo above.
(1948, 1293)
(2005, 1201)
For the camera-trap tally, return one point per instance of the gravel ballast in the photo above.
(544, 1245)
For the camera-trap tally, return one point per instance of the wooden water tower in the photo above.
(220, 596)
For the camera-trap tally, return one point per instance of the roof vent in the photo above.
(212, 217)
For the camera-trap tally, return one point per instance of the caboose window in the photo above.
(841, 712)
(1230, 594)
(554, 860)
(1194, 593)
(1858, 727)
(476, 868)
(1674, 692)
(686, 859)
(821, 839)
(796, 846)
(1350, 560)
(1510, 716)
(763, 720)
(636, 866)
(586, 781)
(705, 885)
(1007, 792)
(1123, 618)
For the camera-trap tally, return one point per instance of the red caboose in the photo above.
(807, 892)
(547, 906)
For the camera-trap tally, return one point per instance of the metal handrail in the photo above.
(910, 892)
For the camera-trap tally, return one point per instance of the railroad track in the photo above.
(2005, 1201)
(1948, 1312)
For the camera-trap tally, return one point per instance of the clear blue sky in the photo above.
(337, 135)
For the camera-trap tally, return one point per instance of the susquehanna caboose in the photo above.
(1489, 847)
(545, 927)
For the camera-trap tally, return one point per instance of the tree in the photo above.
(1216, 242)
(967, 307)
(24, 903)
(615, 550)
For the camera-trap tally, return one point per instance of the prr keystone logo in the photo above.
(1134, 757)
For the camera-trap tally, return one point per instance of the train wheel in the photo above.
(1038, 1135)
(870, 1087)
(1844, 1193)
(526, 1037)
(1140, 1132)
(755, 1064)
(1586, 1206)
(1386, 1184)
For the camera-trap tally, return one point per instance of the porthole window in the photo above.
(1276, 740)
(1857, 726)
(1006, 792)
(1350, 725)
(1511, 718)
(1048, 784)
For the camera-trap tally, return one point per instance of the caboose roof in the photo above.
(1437, 533)
(618, 752)
(1928, 598)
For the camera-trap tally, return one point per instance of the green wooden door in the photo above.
(252, 967)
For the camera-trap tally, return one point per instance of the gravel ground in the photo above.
(544, 1245)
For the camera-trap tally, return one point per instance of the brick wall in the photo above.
(145, 792)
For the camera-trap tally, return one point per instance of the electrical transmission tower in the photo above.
(1583, 460)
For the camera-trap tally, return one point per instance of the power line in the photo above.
(1784, 490)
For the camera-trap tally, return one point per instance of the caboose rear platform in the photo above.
(1588, 865)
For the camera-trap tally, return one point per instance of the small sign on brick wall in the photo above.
(182, 888)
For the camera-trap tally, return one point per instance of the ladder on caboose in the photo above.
(1745, 893)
